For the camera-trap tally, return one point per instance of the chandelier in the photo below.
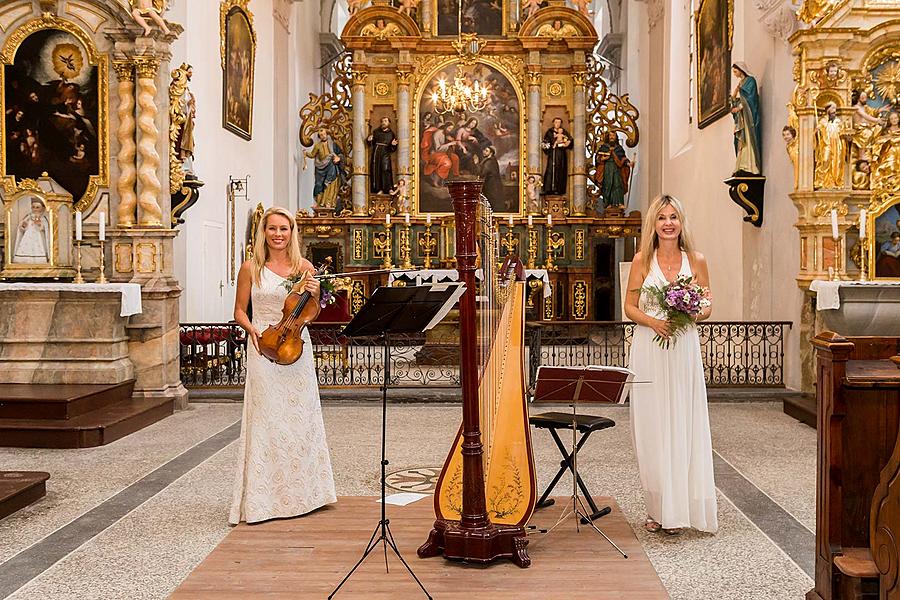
(461, 96)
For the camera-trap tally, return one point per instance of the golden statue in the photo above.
(812, 10)
(830, 150)
(380, 29)
(557, 30)
(886, 157)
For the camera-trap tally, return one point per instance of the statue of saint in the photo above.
(327, 156)
(557, 144)
(830, 150)
(747, 123)
(886, 154)
(383, 142)
(789, 134)
(184, 144)
(616, 171)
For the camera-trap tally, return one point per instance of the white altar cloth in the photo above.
(421, 276)
(131, 292)
(828, 293)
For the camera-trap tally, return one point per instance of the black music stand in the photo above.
(393, 310)
(572, 385)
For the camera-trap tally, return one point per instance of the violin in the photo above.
(282, 343)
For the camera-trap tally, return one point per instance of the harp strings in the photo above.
(489, 316)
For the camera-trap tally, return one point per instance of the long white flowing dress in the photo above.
(284, 468)
(670, 422)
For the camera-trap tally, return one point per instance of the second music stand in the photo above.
(572, 385)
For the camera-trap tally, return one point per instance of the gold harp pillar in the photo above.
(127, 211)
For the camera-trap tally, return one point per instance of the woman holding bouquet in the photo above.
(668, 292)
(284, 468)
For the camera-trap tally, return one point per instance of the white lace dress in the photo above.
(283, 468)
(670, 422)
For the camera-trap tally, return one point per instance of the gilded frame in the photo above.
(504, 11)
(515, 82)
(95, 58)
(872, 246)
(719, 110)
(230, 9)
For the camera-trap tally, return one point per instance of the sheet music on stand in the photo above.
(411, 309)
(596, 383)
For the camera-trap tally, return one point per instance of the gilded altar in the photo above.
(520, 101)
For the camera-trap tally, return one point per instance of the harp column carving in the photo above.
(358, 183)
(534, 121)
(579, 180)
(126, 213)
(150, 214)
(404, 77)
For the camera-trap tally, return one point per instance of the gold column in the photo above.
(151, 214)
(125, 135)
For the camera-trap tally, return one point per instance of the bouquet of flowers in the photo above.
(681, 301)
(326, 286)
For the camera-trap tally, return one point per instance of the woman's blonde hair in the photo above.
(261, 248)
(649, 239)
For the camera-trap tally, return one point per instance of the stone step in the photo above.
(58, 401)
(18, 489)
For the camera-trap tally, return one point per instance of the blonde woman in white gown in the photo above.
(669, 415)
(284, 468)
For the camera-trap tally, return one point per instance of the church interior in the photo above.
(274, 273)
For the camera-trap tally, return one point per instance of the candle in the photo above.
(102, 226)
(549, 220)
(530, 221)
(510, 221)
(387, 220)
(406, 218)
(862, 223)
(78, 225)
(428, 219)
(834, 225)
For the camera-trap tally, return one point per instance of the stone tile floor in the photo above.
(148, 552)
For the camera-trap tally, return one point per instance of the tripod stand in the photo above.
(420, 308)
(567, 384)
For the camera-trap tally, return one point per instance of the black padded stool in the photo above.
(586, 425)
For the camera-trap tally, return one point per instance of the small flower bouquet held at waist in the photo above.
(326, 288)
(681, 301)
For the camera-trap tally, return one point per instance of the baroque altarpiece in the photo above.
(538, 129)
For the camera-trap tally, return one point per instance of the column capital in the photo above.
(124, 69)
(404, 75)
(579, 78)
(146, 66)
(534, 76)
(359, 77)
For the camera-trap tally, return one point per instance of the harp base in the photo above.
(481, 545)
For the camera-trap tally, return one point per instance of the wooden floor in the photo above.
(306, 558)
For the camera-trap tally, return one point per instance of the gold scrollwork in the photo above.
(404, 77)
(124, 70)
(332, 109)
(357, 295)
(146, 257)
(579, 300)
(741, 188)
(382, 89)
(579, 244)
(146, 67)
(95, 58)
(359, 243)
(123, 258)
(557, 88)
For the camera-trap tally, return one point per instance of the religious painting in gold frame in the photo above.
(53, 94)
(486, 18)
(883, 233)
(465, 138)
(238, 49)
(713, 35)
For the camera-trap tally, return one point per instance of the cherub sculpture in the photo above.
(530, 7)
(408, 7)
(400, 192)
(582, 6)
(355, 5)
(149, 8)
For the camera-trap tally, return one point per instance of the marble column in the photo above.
(579, 179)
(150, 213)
(126, 214)
(358, 182)
(534, 122)
(404, 76)
(425, 9)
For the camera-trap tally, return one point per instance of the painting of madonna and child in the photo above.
(484, 143)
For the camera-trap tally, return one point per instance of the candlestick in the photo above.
(427, 243)
(406, 219)
(550, 266)
(428, 219)
(388, 245)
(532, 244)
(834, 224)
(102, 226)
(510, 221)
(78, 277)
(862, 223)
(530, 221)
(387, 220)
(77, 225)
(405, 246)
(102, 278)
(549, 220)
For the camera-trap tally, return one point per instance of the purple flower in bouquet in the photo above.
(682, 301)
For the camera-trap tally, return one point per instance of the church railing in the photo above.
(735, 353)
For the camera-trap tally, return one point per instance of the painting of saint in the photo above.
(484, 17)
(887, 243)
(485, 143)
(237, 82)
(713, 60)
(52, 107)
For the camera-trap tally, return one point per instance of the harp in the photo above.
(486, 490)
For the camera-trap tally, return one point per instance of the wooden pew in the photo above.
(857, 496)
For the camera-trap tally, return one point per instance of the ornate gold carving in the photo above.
(331, 109)
(404, 77)
(178, 116)
(123, 259)
(146, 67)
(382, 88)
(813, 10)
(579, 78)
(357, 296)
(224, 10)
(534, 78)
(579, 300)
(323, 231)
(832, 75)
(579, 244)
(382, 31)
(124, 70)
(427, 246)
(468, 46)
(754, 212)
(146, 257)
(95, 58)
(556, 88)
(548, 306)
(358, 77)
(359, 243)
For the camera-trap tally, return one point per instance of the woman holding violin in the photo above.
(284, 469)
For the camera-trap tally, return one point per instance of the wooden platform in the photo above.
(801, 407)
(74, 416)
(306, 557)
(18, 489)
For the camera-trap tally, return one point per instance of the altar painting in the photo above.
(485, 143)
(887, 243)
(484, 17)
